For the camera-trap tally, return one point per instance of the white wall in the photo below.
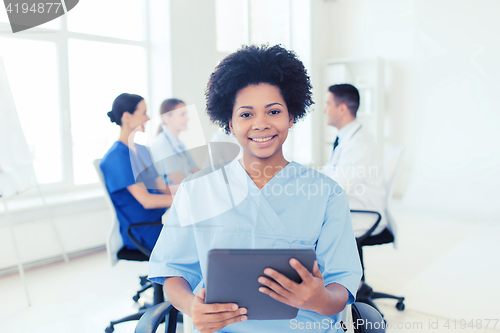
(194, 57)
(444, 82)
(81, 225)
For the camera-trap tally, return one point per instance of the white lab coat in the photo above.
(356, 166)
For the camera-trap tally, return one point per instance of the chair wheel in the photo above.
(136, 298)
(400, 306)
(109, 329)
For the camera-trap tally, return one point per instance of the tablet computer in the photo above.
(232, 278)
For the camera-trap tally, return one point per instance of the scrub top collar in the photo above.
(243, 176)
(139, 163)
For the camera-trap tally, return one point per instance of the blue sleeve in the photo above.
(146, 171)
(117, 171)
(175, 252)
(336, 249)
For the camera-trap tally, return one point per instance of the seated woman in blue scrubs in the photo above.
(136, 190)
(175, 162)
(260, 201)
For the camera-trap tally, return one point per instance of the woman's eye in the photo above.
(245, 115)
(274, 111)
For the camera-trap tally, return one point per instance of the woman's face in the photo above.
(177, 119)
(137, 120)
(260, 120)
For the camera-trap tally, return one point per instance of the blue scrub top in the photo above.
(121, 168)
(298, 208)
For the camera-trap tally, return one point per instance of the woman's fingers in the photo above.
(277, 297)
(224, 316)
(292, 293)
(277, 288)
(316, 272)
(303, 272)
(283, 281)
(201, 295)
(212, 317)
(212, 322)
(219, 307)
(211, 327)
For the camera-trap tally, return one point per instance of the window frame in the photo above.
(289, 148)
(60, 37)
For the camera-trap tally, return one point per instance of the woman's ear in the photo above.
(290, 122)
(231, 126)
(125, 117)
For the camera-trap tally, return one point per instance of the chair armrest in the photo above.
(153, 317)
(369, 232)
(366, 318)
(142, 248)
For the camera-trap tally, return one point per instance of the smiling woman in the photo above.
(137, 192)
(261, 201)
(260, 122)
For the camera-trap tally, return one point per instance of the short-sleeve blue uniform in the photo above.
(121, 168)
(298, 208)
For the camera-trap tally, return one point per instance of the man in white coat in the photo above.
(355, 163)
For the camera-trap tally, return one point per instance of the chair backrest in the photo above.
(114, 243)
(392, 158)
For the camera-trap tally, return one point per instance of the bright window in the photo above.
(31, 68)
(230, 16)
(112, 18)
(99, 72)
(65, 79)
(285, 22)
(269, 21)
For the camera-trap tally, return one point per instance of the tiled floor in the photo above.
(447, 268)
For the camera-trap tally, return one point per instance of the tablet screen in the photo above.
(232, 278)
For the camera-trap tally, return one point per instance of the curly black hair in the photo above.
(253, 65)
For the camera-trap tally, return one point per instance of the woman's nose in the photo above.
(261, 123)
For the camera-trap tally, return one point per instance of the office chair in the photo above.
(116, 251)
(365, 294)
(357, 318)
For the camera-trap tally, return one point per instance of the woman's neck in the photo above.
(174, 132)
(127, 137)
(262, 170)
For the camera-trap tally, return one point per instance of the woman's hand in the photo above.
(208, 318)
(311, 294)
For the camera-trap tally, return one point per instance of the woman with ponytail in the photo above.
(137, 192)
(176, 162)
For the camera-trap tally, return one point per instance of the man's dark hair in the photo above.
(347, 94)
(252, 65)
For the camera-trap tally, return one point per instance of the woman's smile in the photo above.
(264, 141)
